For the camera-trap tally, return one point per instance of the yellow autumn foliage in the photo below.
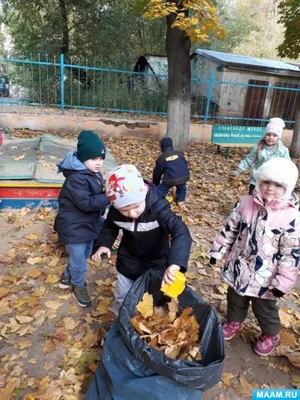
(198, 18)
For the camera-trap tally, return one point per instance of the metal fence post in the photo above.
(62, 83)
(210, 88)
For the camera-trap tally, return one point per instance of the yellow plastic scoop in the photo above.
(176, 287)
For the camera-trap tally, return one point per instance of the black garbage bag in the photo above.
(200, 375)
(131, 369)
(120, 376)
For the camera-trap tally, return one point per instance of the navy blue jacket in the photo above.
(145, 241)
(172, 167)
(81, 203)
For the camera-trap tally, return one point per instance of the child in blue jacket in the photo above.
(172, 167)
(82, 203)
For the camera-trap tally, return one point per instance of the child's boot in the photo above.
(230, 329)
(266, 344)
(65, 281)
(81, 295)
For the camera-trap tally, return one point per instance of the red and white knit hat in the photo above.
(125, 186)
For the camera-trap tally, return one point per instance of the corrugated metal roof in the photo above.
(227, 58)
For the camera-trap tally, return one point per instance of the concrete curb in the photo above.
(139, 129)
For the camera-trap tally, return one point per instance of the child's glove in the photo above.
(212, 261)
(277, 293)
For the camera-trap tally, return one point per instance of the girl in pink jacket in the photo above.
(261, 244)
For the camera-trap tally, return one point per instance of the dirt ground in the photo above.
(49, 347)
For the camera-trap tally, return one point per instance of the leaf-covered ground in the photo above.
(49, 347)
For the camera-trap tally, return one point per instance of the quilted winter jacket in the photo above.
(81, 203)
(172, 167)
(254, 162)
(260, 242)
(145, 241)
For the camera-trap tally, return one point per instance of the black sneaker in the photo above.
(65, 282)
(81, 295)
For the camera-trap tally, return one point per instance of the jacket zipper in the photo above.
(135, 233)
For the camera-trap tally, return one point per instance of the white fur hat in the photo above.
(274, 127)
(279, 170)
(278, 121)
(125, 186)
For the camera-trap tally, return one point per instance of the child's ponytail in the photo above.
(260, 146)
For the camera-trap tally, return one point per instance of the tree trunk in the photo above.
(179, 85)
(295, 146)
(65, 28)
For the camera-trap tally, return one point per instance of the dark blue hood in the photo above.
(166, 143)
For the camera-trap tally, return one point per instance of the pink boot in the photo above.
(266, 344)
(230, 329)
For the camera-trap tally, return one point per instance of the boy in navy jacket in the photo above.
(147, 221)
(81, 205)
(172, 167)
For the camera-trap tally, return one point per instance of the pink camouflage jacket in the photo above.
(261, 243)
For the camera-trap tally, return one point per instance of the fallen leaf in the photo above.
(192, 275)
(145, 306)
(294, 358)
(70, 323)
(7, 392)
(25, 330)
(295, 381)
(245, 388)
(23, 319)
(35, 273)
(52, 279)
(287, 338)
(5, 291)
(282, 350)
(90, 338)
(226, 378)
(35, 260)
(31, 236)
(24, 344)
(102, 306)
(32, 301)
(48, 346)
(19, 303)
(53, 304)
(285, 318)
(21, 157)
(55, 260)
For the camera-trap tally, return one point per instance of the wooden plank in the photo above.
(28, 184)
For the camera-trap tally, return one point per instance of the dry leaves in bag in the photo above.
(168, 329)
